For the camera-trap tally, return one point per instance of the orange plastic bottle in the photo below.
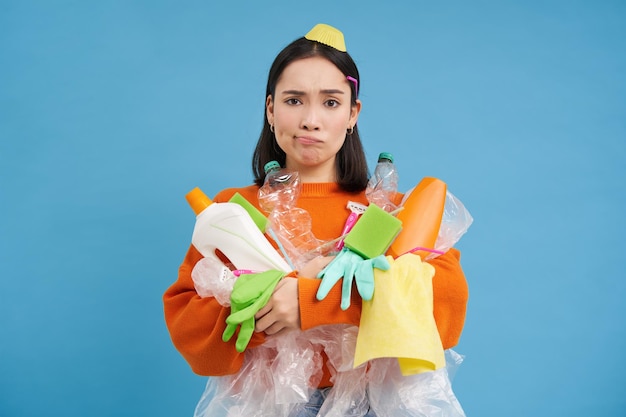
(421, 218)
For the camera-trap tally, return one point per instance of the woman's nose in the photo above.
(310, 119)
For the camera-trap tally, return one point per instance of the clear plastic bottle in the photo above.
(280, 189)
(288, 225)
(383, 185)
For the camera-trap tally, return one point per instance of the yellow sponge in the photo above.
(373, 232)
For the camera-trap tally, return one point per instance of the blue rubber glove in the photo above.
(351, 267)
(250, 294)
(365, 275)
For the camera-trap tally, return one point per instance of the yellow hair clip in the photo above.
(327, 35)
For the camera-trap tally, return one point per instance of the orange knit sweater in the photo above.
(196, 324)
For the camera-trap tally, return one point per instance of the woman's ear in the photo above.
(354, 113)
(269, 109)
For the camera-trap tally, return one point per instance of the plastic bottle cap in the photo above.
(385, 155)
(270, 166)
(198, 200)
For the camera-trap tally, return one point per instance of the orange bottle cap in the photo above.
(198, 200)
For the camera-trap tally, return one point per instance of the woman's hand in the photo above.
(314, 266)
(282, 311)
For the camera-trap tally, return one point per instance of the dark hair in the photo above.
(351, 164)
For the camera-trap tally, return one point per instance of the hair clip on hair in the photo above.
(356, 84)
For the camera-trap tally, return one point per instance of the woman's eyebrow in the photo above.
(332, 91)
(293, 92)
(301, 93)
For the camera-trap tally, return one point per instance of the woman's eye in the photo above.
(292, 101)
(332, 103)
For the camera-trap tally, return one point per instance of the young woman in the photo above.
(310, 126)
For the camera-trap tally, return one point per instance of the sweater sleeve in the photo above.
(196, 325)
(327, 311)
(450, 294)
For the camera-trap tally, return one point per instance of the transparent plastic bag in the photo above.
(296, 368)
(249, 393)
(278, 378)
(428, 394)
(212, 278)
(455, 221)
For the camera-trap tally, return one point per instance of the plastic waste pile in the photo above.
(278, 377)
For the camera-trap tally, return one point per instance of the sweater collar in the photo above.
(319, 189)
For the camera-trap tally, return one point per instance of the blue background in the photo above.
(111, 111)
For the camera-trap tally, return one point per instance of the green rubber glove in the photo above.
(250, 294)
(352, 267)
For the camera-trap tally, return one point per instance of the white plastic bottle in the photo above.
(383, 185)
(228, 227)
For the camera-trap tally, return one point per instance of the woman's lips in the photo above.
(307, 140)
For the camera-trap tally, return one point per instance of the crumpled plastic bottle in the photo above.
(383, 185)
(288, 225)
(281, 188)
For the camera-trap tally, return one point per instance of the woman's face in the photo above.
(311, 112)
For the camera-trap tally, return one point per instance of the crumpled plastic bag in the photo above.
(428, 394)
(257, 391)
(211, 278)
(276, 379)
(455, 221)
